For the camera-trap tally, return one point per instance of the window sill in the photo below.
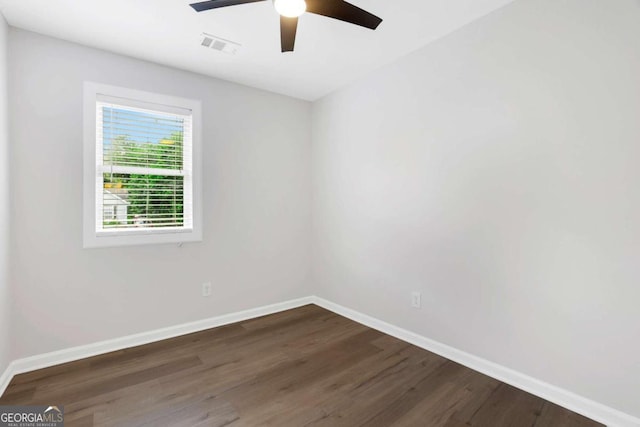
(109, 239)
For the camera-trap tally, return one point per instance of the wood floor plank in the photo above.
(554, 415)
(508, 406)
(374, 392)
(301, 367)
(430, 386)
(452, 399)
(330, 394)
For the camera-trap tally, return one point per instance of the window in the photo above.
(141, 168)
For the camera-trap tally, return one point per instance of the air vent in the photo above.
(219, 44)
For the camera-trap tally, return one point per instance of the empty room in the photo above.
(320, 213)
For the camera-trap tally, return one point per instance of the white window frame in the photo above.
(92, 238)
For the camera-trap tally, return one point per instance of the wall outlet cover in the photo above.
(416, 299)
(206, 289)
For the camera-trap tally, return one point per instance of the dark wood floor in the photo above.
(303, 367)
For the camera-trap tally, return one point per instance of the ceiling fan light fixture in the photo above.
(290, 8)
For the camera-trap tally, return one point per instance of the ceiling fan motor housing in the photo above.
(290, 10)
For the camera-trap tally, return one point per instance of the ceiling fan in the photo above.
(290, 10)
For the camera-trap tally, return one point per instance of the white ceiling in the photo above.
(328, 55)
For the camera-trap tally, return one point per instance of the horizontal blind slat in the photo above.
(144, 168)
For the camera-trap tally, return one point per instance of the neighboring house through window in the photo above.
(115, 207)
(142, 175)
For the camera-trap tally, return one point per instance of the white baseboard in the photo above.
(589, 408)
(46, 360)
(5, 378)
(564, 398)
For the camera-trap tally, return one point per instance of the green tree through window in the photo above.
(151, 200)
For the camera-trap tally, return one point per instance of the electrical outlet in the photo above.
(206, 289)
(416, 298)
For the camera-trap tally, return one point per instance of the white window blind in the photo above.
(144, 168)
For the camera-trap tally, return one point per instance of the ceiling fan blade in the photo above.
(288, 28)
(214, 4)
(343, 11)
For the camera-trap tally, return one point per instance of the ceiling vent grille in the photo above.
(219, 44)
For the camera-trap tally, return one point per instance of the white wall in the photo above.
(497, 172)
(494, 171)
(5, 291)
(256, 204)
